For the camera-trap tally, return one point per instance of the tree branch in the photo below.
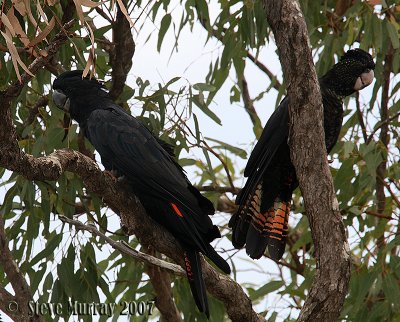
(122, 53)
(379, 126)
(249, 106)
(378, 215)
(274, 80)
(34, 110)
(232, 190)
(7, 301)
(384, 138)
(9, 152)
(308, 153)
(161, 282)
(125, 248)
(16, 307)
(361, 117)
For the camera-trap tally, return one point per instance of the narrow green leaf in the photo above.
(235, 150)
(171, 81)
(165, 23)
(196, 127)
(392, 291)
(187, 162)
(393, 34)
(51, 245)
(266, 289)
(196, 100)
(204, 87)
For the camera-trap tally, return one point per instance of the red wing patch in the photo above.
(176, 209)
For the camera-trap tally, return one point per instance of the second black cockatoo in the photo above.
(127, 147)
(264, 202)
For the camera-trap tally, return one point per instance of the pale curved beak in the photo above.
(364, 80)
(61, 100)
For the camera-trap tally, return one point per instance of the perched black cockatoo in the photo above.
(265, 200)
(128, 148)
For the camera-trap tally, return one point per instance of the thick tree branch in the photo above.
(122, 53)
(161, 281)
(384, 139)
(16, 307)
(9, 151)
(308, 153)
(7, 305)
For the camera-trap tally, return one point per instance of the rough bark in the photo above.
(164, 300)
(122, 53)
(384, 138)
(308, 153)
(15, 306)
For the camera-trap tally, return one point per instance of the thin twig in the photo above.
(376, 214)
(233, 190)
(389, 189)
(361, 117)
(248, 103)
(103, 14)
(34, 110)
(125, 248)
(388, 120)
(222, 162)
(274, 80)
(282, 263)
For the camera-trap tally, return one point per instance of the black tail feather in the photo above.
(196, 282)
(239, 230)
(256, 243)
(218, 260)
(276, 248)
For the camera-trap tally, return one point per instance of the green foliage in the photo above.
(65, 265)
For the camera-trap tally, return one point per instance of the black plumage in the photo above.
(264, 202)
(127, 147)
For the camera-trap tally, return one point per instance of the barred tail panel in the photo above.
(259, 230)
(262, 222)
(279, 231)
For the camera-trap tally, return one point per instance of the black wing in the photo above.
(275, 133)
(129, 147)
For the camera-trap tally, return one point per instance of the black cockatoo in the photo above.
(265, 200)
(127, 147)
